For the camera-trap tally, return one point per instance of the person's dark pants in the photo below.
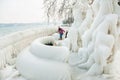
(61, 36)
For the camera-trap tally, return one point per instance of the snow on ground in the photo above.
(10, 73)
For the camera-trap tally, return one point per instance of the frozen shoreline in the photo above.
(6, 29)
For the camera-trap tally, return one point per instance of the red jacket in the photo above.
(61, 31)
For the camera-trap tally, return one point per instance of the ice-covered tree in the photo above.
(61, 8)
(93, 19)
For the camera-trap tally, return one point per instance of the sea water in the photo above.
(10, 28)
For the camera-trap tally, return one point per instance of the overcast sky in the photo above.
(21, 11)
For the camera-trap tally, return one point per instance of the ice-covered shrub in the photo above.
(73, 36)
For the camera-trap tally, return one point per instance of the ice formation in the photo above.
(36, 68)
(52, 52)
(91, 48)
(11, 45)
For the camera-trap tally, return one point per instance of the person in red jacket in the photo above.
(61, 32)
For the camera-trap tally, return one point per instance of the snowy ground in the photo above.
(10, 73)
